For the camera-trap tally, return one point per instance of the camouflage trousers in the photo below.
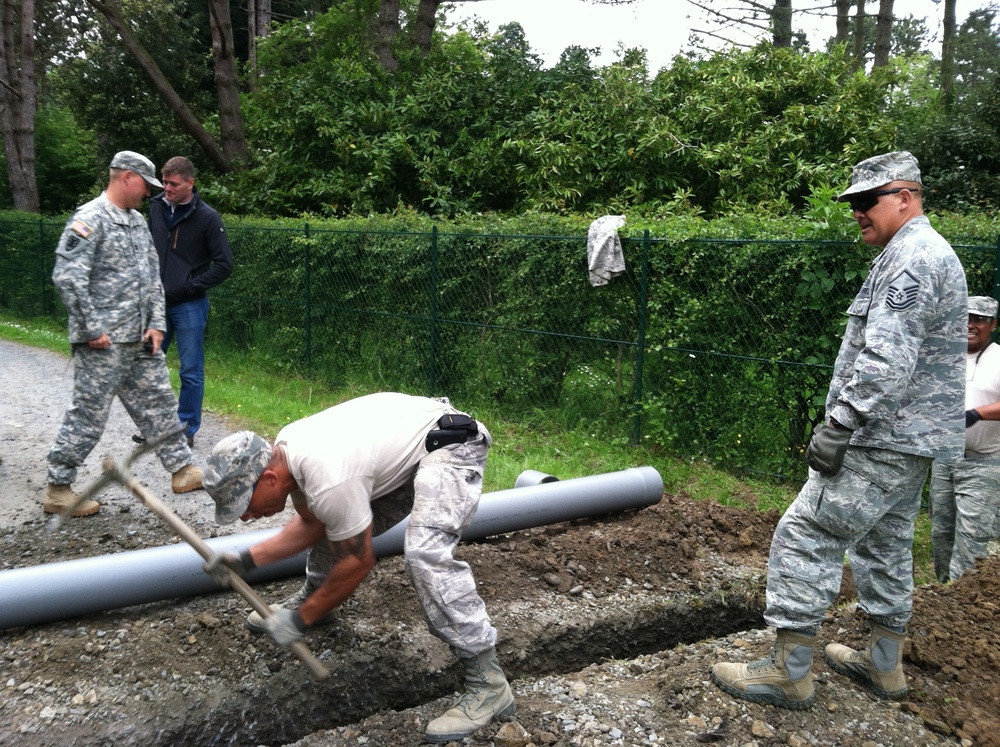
(141, 382)
(965, 513)
(445, 492)
(866, 510)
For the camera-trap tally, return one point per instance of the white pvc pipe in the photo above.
(57, 591)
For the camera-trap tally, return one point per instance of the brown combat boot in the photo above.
(186, 479)
(781, 679)
(880, 668)
(487, 696)
(58, 498)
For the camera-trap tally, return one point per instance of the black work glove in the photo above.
(825, 452)
(216, 565)
(971, 418)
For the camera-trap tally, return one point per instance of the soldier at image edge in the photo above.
(964, 498)
(895, 404)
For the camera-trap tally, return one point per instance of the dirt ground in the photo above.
(608, 627)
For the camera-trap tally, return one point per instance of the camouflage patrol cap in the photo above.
(232, 470)
(131, 161)
(875, 172)
(983, 306)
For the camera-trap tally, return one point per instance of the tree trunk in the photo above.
(258, 26)
(227, 84)
(18, 95)
(388, 31)
(883, 33)
(424, 26)
(843, 22)
(859, 36)
(948, 56)
(188, 121)
(781, 23)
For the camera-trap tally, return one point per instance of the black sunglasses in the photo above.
(865, 201)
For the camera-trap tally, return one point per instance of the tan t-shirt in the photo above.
(353, 453)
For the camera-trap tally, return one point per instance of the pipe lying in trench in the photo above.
(58, 591)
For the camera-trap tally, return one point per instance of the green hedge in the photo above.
(716, 343)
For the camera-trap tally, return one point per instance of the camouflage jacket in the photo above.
(108, 274)
(899, 378)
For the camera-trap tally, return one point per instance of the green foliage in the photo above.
(108, 93)
(763, 128)
(958, 144)
(479, 126)
(66, 162)
(740, 318)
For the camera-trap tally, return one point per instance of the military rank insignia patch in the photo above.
(902, 291)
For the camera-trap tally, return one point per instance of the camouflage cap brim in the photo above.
(232, 470)
(875, 172)
(983, 306)
(129, 160)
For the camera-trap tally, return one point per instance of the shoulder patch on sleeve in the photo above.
(902, 291)
(81, 228)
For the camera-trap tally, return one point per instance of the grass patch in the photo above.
(249, 395)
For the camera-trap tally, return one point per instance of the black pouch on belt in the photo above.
(452, 428)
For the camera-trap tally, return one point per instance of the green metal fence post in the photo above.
(308, 294)
(41, 267)
(432, 311)
(640, 349)
(996, 270)
(996, 277)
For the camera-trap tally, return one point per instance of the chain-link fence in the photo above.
(715, 349)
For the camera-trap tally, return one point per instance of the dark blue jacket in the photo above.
(193, 247)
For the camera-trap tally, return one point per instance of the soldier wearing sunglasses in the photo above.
(895, 404)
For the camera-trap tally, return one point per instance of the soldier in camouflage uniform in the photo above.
(965, 494)
(107, 274)
(894, 405)
(338, 467)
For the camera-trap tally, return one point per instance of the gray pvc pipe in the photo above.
(533, 477)
(57, 591)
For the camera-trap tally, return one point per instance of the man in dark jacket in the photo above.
(194, 257)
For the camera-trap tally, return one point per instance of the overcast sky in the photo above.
(662, 27)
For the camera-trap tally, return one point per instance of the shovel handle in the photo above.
(301, 651)
(107, 478)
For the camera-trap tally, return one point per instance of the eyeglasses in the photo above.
(977, 319)
(865, 201)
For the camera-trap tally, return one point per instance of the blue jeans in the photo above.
(186, 323)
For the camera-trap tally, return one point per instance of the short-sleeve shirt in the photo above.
(982, 387)
(346, 456)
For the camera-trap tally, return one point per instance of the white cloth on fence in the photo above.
(604, 249)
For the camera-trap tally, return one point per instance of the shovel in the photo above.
(118, 472)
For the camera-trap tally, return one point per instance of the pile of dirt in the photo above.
(608, 628)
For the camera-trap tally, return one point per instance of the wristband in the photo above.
(247, 560)
(298, 622)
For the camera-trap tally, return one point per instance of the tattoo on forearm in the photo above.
(352, 546)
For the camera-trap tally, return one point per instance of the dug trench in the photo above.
(607, 625)
(189, 672)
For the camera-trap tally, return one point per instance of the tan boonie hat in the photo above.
(131, 161)
(231, 471)
(983, 306)
(875, 172)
